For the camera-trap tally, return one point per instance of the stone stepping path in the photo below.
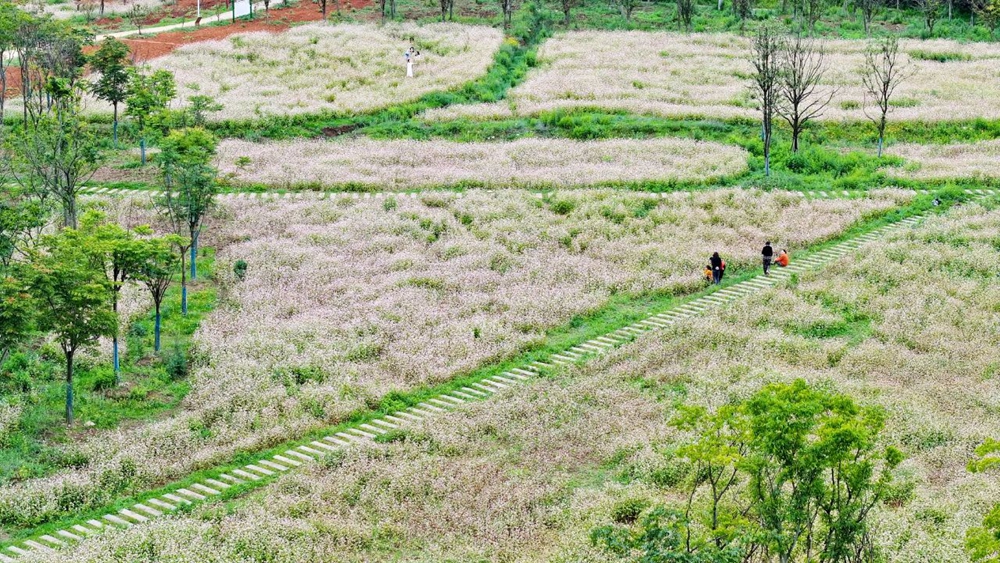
(303, 454)
(315, 196)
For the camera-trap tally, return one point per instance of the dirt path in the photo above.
(279, 19)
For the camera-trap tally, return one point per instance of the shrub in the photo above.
(240, 269)
(628, 510)
(102, 379)
(176, 363)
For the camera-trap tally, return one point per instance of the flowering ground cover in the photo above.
(403, 164)
(706, 75)
(527, 475)
(346, 301)
(964, 161)
(332, 68)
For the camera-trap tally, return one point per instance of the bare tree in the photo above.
(868, 10)
(136, 16)
(447, 8)
(812, 10)
(743, 9)
(685, 13)
(507, 7)
(930, 10)
(765, 57)
(801, 97)
(626, 7)
(567, 7)
(882, 73)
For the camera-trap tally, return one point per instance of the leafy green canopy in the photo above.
(790, 474)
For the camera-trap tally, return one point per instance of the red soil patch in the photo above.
(162, 44)
(279, 19)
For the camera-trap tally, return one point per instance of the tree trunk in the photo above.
(156, 329)
(69, 387)
(194, 254)
(114, 340)
(184, 289)
(69, 211)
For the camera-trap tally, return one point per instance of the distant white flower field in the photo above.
(706, 75)
(406, 164)
(334, 68)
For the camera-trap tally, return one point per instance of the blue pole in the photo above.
(114, 345)
(156, 332)
(184, 300)
(194, 255)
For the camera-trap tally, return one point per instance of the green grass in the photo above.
(35, 378)
(620, 311)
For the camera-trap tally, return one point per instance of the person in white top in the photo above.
(411, 56)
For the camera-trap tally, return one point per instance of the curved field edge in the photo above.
(618, 313)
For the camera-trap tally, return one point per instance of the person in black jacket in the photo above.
(767, 254)
(716, 264)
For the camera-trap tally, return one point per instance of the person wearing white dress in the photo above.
(409, 63)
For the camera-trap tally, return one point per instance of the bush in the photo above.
(628, 510)
(240, 269)
(102, 379)
(176, 363)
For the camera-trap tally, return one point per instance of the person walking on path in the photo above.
(716, 264)
(767, 254)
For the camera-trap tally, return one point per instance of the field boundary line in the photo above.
(304, 195)
(236, 479)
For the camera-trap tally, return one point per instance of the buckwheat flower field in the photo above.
(346, 300)
(526, 163)
(332, 68)
(707, 75)
(968, 161)
(527, 475)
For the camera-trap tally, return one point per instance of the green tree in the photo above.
(75, 295)
(157, 275)
(147, 97)
(118, 252)
(111, 61)
(814, 471)
(983, 543)
(200, 105)
(186, 154)
(56, 153)
(21, 220)
(17, 312)
(662, 536)
(10, 17)
(790, 474)
(989, 13)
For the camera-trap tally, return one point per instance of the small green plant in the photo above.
(628, 510)
(240, 269)
(176, 363)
